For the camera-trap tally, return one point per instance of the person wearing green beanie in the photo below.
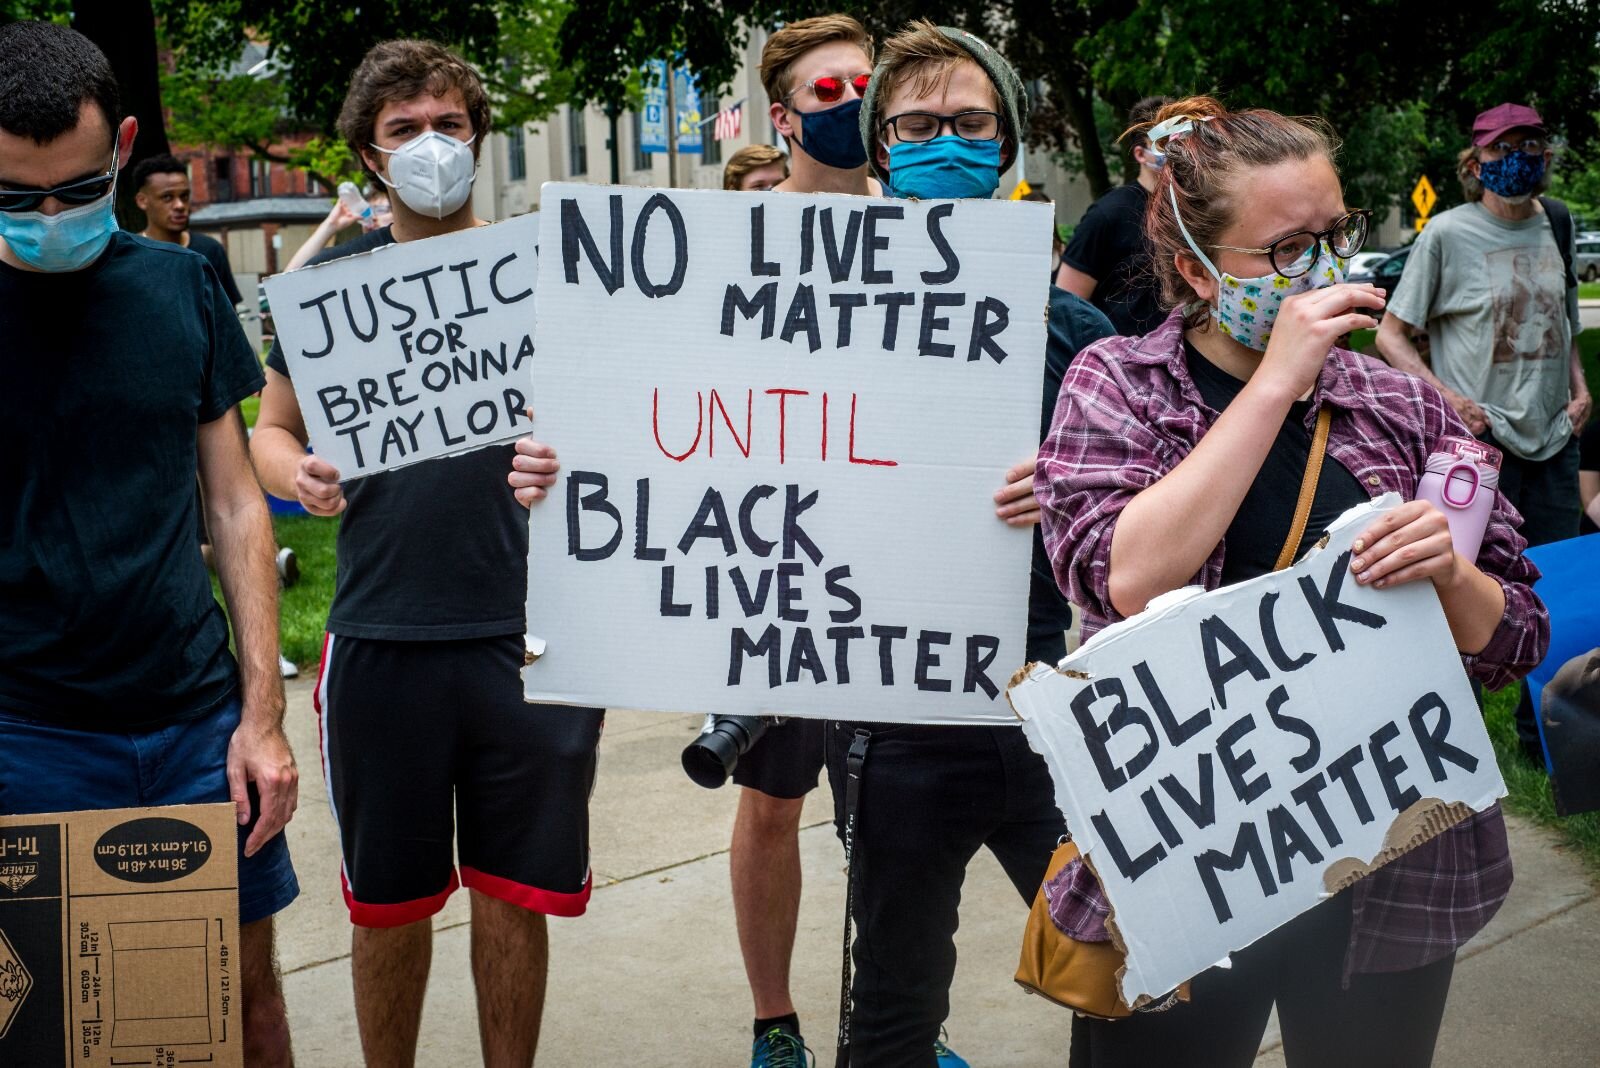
(984, 107)
(943, 117)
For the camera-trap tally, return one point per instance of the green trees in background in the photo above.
(1399, 80)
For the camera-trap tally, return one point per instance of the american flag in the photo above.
(727, 122)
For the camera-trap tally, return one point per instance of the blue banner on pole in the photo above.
(686, 96)
(653, 120)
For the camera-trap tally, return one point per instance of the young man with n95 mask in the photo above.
(429, 751)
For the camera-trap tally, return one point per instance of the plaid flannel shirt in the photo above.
(1127, 414)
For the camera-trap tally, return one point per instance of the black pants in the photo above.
(1546, 493)
(1388, 1020)
(930, 797)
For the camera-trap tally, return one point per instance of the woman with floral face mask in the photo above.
(1177, 458)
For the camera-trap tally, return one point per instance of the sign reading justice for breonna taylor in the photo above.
(1227, 760)
(781, 421)
(413, 350)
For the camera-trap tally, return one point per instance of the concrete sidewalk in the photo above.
(652, 975)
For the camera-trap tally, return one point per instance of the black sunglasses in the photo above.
(76, 192)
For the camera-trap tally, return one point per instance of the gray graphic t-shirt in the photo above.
(1500, 320)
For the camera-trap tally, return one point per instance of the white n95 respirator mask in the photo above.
(432, 173)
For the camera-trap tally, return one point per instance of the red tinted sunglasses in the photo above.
(830, 90)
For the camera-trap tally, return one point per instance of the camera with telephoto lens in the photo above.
(713, 755)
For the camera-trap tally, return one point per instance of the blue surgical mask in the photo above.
(946, 167)
(1155, 159)
(1513, 176)
(66, 241)
(833, 137)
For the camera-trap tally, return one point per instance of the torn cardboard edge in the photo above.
(1423, 821)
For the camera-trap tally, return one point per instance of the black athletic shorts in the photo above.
(786, 761)
(430, 753)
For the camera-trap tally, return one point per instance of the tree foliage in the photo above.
(1398, 80)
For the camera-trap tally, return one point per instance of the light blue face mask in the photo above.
(67, 241)
(946, 167)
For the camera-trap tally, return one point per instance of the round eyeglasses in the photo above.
(1294, 254)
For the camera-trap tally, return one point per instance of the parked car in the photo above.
(1385, 274)
(1363, 262)
(1587, 263)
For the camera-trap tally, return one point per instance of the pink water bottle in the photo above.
(1460, 481)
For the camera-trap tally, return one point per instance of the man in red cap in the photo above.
(1491, 281)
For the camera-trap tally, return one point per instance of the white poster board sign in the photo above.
(781, 421)
(413, 350)
(1225, 760)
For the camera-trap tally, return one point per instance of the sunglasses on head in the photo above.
(829, 89)
(75, 193)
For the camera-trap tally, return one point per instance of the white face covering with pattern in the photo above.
(1246, 308)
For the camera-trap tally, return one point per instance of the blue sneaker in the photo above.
(947, 1057)
(779, 1049)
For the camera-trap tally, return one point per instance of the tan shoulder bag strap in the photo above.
(1308, 489)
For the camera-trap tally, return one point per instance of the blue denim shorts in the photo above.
(46, 768)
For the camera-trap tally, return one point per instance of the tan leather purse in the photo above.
(1083, 975)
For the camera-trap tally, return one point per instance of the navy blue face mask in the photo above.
(833, 137)
(1516, 174)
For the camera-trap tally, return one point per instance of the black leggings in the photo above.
(1385, 1020)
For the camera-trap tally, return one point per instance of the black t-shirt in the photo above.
(431, 552)
(1109, 246)
(1255, 536)
(1589, 460)
(217, 256)
(1074, 324)
(106, 615)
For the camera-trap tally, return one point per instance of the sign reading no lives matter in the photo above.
(413, 350)
(1225, 760)
(781, 421)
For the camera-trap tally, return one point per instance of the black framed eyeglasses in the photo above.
(78, 192)
(916, 127)
(1293, 254)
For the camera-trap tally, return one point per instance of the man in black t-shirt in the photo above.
(122, 364)
(1107, 261)
(163, 193)
(429, 751)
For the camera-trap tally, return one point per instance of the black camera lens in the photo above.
(712, 756)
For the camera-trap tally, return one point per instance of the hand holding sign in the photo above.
(316, 483)
(533, 470)
(1227, 759)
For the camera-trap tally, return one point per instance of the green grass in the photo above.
(303, 609)
(1528, 790)
(249, 408)
(1589, 290)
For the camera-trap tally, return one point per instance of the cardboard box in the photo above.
(119, 932)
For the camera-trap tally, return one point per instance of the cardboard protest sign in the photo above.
(119, 938)
(781, 421)
(1225, 760)
(413, 350)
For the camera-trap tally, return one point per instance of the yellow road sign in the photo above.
(1422, 220)
(1022, 190)
(1423, 197)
